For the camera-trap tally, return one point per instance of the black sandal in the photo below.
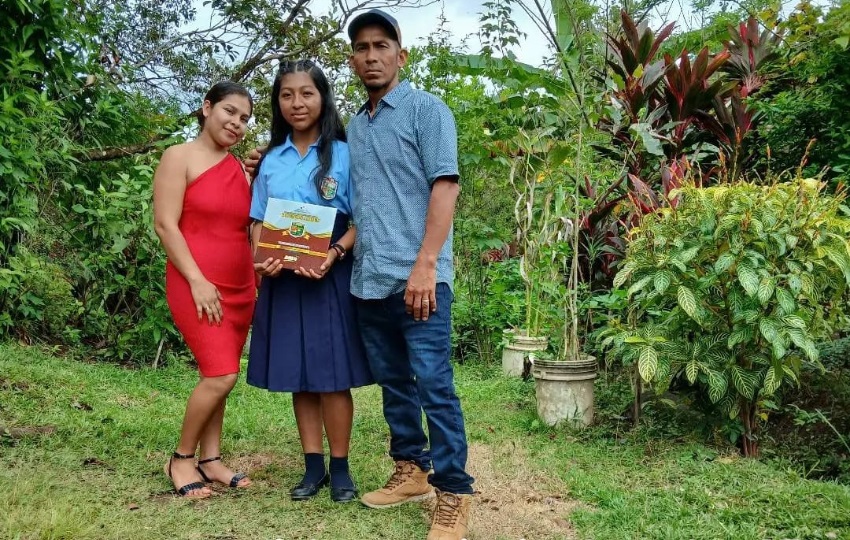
(234, 482)
(184, 491)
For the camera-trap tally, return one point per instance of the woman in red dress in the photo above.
(201, 205)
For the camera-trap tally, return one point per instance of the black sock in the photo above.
(314, 468)
(340, 476)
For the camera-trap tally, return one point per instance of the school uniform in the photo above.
(305, 336)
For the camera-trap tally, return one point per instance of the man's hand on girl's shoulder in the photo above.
(253, 160)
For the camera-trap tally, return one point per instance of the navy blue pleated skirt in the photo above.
(305, 336)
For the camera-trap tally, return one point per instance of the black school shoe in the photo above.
(302, 491)
(344, 494)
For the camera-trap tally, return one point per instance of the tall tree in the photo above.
(172, 51)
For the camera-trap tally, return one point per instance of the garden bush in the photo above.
(806, 99)
(39, 300)
(483, 310)
(731, 287)
(835, 354)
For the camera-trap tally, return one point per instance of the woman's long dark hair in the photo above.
(330, 123)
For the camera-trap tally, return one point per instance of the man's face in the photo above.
(376, 58)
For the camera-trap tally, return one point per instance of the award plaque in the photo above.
(297, 233)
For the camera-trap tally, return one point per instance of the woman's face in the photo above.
(300, 102)
(227, 120)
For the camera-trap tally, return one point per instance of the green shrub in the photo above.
(118, 264)
(482, 312)
(79, 262)
(39, 300)
(806, 99)
(835, 354)
(731, 287)
(91, 270)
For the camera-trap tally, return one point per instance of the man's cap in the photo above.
(378, 17)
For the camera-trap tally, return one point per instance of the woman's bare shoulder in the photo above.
(177, 152)
(174, 162)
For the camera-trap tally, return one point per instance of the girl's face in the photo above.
(227, 120)
(300, 102)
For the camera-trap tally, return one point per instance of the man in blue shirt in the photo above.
(404, 175)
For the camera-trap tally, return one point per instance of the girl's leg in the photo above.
(211, 447)
(202, 405)
(308, 416)
(338, 414)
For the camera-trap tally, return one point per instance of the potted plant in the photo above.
(564, 381)
(532, 238)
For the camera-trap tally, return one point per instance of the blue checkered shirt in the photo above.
(396, 155)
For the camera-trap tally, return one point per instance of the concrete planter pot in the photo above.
(565, 390)
(517, 349)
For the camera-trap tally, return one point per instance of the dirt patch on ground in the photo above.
(256, 462)
(15, 386)
(19, 432)
(514, 501)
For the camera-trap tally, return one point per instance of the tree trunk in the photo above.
(638, 397)
(748, 415)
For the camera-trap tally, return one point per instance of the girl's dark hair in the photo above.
(330, 123)
(220, 91)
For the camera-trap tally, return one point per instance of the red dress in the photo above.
(215, 225)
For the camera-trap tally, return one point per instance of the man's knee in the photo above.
(436, 385)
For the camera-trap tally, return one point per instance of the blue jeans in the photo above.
(410, 360)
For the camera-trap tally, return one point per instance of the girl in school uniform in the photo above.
(304, 339)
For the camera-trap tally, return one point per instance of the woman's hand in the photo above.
(323, 269)
(269, 268)
(207, 300)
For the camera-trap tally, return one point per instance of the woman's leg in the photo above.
(203, 404)
(308, 416)
(211, 447)
(338, 414)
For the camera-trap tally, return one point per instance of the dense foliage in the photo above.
(807, 99)
(732, 287)
(80, 262)
(601, 137)
(87, 105)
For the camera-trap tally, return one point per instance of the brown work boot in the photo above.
(451, 516)
(408, 483)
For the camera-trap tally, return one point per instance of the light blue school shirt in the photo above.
(285, 174)
(399, 152)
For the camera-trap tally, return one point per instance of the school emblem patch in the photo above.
(329, 187)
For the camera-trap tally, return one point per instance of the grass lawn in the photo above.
(84, 444)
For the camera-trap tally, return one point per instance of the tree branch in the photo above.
(252, 63)
(265, 53)
(182, 40)
(118, 152)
